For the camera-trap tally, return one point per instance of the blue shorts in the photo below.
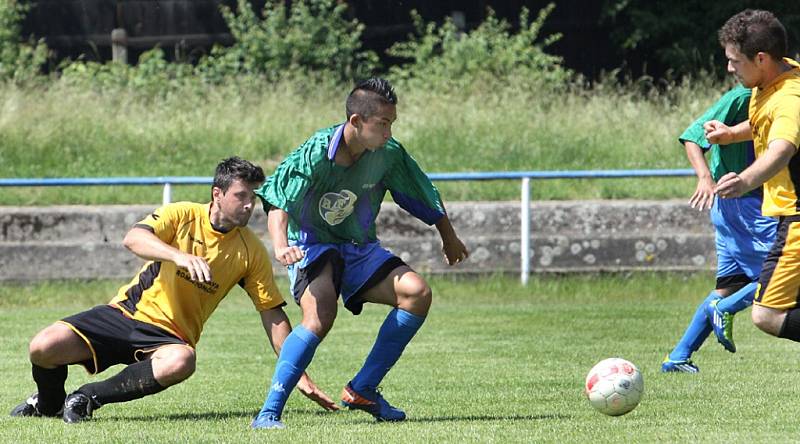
(743, 236)
(356, 268)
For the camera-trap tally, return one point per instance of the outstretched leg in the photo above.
(411, 296)
(694, 336)
(166, 366)
(319, 306)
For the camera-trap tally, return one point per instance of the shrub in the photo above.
(490, 54)
(20, 61)
(310, 36)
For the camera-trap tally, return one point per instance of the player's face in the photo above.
(377, 129)
(236, 205)
(745, 70)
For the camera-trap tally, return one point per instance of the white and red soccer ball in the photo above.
(614, 386)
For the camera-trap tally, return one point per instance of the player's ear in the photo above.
(355, 120)
(216, 193)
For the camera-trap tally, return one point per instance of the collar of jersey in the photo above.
(333, 145)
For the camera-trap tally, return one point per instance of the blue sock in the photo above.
(395, 333)
(296, 354)
(739, 300)
(696, 333)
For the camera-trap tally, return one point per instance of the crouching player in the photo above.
(196, 254)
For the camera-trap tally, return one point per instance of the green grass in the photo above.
(495, 362)
(66, 131)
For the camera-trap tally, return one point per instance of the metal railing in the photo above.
(524, 176)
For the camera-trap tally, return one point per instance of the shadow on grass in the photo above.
(470, 418)
(249, 414)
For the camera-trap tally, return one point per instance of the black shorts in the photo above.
(114, 338)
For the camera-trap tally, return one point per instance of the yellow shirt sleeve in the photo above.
(164, 222)
(786, 121)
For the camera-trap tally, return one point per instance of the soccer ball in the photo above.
(614, 386)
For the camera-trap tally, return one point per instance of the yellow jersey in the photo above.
(164, 295)
(775, 114)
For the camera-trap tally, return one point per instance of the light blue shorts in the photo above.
(743, 236)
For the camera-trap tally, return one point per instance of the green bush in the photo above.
(153, 75)
(441, 55)
(20, 62)
(311, 36)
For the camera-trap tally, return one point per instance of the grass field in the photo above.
(495, 362)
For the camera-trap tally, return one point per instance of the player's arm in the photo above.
(277, 224)
(721, 134)
(454, 250)
(777, 157)
(277, 326)
(143, 242)
(703, 196)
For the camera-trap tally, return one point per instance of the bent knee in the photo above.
(767, 320)
(46, 347)
(414, 294)
(174, 365)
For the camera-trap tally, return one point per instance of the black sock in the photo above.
(50, 383)
(133, 382)
(791, 325)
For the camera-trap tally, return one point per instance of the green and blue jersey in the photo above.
(330, 203)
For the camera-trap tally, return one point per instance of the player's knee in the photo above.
(415, 294)
(766, 320)
(173, 367)
(320, 322)
(43, 348)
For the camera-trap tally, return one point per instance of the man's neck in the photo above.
(350, 143)
(215, 218)
(777, 70)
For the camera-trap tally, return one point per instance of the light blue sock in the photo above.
(696, 333)
(296, 354)
(396, 332)
(739, 300)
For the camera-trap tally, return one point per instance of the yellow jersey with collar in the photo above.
(164, 295)
(775, 114)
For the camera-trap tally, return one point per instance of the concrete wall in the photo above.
(85, 241)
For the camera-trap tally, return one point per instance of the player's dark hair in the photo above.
(368, 96)
(752, 31)
(235, 168)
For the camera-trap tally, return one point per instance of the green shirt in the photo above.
(730, 109)
(330, 203)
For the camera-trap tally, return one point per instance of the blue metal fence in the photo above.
(524, 176)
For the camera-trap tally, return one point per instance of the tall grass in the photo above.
(73, 131)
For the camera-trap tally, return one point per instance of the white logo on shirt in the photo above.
(335, 207)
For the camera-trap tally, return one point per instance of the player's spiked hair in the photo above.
(368, 96)
(752, 31)
(236, 168)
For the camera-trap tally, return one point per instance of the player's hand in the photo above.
(288, 255)
(717, 132)
(454, 250)
(196, 266)
(730, 185)
(703, 197)
(310, 390)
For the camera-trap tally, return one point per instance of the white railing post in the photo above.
(166, 196)
(525, 231)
